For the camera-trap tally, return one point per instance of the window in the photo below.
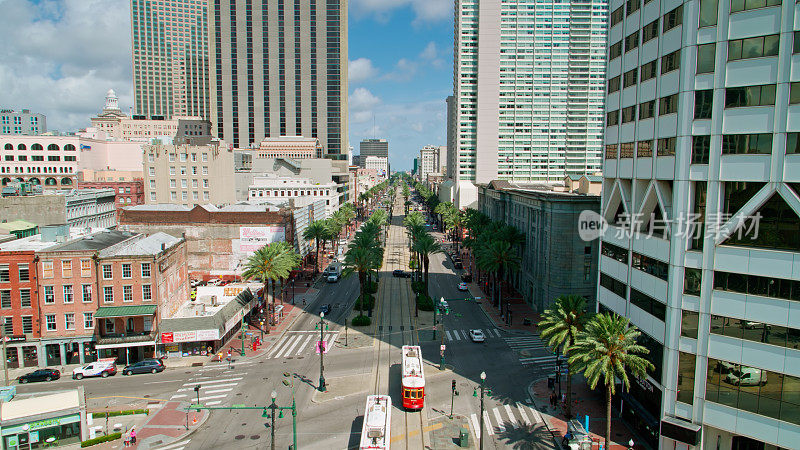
(69, 321)
(616, 16)
(703, 103)
(626, 150)
(647, 109)
(612, 118)
(615, 50)
(88, 321)
(672, 19)
(736, 97)
(49, 295)
(778, 227)
(701, 146)
(24, 273)
(613, 84)
(631, 77)
(152, 196)
(744, 5)
(184, 183)
(147, 294)
(171, 157)
(631, 6)
(686, 368)
(25, 298)
(5, 299)
(107, 272)
(151, 171)
(706, 56)
(747, 144)
(649, 70)
(668, 104)
(650, 265)
(796, 42)
(691, 281)
(127, 293)
(649, 304)
(666, 146)
(145, 270)
(183, 157)
(173, 183)
(611, 151)
(792, 143)
(632, 41)
(126, 270)
(708, 12)
(86, 293)
(614, 252)
(172, 170)
(66, 268)
(86, 268)
(671, 62)
(629, 114)
(5, 274)
(50, 320)
(613, 285)
(8, 326)
(754, 47)
(794, 93)
(644, 149)
(108, 294)
(205, 157)
(27, 324)
(68, 294)
(650, 31)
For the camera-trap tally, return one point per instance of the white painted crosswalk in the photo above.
(532, 351)
(296, 344)
(515, 416)
(463, 335)
(213, 390)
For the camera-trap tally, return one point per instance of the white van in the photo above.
(100, 368)
(747, 376)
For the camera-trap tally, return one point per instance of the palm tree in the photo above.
(271, 262)
(608, 349)
(559, 326)
(316, 231)
(498, 258)
(363, 256)
(425, 246)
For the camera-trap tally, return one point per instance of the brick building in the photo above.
(218, 240)
(127, 193)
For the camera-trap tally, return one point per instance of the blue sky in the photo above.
(59, 57)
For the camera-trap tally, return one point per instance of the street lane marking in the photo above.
(537, 416)
(160, 382)
(204, 388)
(476, 427)
(201, 378)
(226, 380)
(280, 346)
(521, 410)
(178, 396)
(448, 335)
(330, 339)
(211, 397)
(288, 348)
(310, 337)
(220, 366)
(215, 402)
(217, 391)
(456, 335)
(497, 331)
(512, 417)
(487, 424)
(427, 429)
(175, 445)
(539, 359)
(499, 419)
(465, 334)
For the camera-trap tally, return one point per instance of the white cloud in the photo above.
(424, 10)
(360, 70)
(404, 70)
(60, 57)
(429, 52)
(362, 100)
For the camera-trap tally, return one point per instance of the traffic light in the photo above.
(453, 385)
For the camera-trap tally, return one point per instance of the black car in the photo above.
(40, 375)
(458, 265)
(399, 273)
(325, 308)
(144, 366)
(466, 277)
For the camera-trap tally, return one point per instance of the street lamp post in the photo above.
(242, 335)
(483, 383)
(292, 291)
(273, 407)
(558, 375)
(294, 408)
(321, 353)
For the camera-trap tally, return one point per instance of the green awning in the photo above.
(105, 312)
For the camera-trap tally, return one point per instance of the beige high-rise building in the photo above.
(170, 58)
(279, 68)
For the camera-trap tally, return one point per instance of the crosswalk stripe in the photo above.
(205, 383)
(465, 335)
(498, 332)
(215, 402)
(456, 336)
(282, 346)
(540, 358)
(537, 417)
(331, 339)
(448, 335)
(522, 413)
(499, 418)
(217, 391)
(175, 446)
(289, 348)
(211, 397)
(219, 366)
(487, 424)
(511, 417)
(310, 337)
(476, 427)
(178, 396)
(205, 388)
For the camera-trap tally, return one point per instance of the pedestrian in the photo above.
(127, 442)
(133, 435)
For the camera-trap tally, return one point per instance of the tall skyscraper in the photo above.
(374, 147)
(279, 68)
(702, 155)
(170, 58)
(528, 85)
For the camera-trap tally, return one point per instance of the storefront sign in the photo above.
(20, 338)
(189, 336)
(34, 437)
(41, 424)
(172, 348)
(253, 238)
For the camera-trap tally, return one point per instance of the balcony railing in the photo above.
(127, 337)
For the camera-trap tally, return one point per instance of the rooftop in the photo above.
(16, 225)
(95, 241)
(141, 245)
(34, 404)
(204, 306)
(35, 242)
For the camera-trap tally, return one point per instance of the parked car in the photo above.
(401, 273)
(325, 308)
(462, 287)
(477, 335)
(144, 366)
(40, 375)
(333, 278)
(466, 277)
(747, 376)
(100, 368)
(458, 265)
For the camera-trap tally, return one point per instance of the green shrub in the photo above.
(126, 412)
(361, 321)
(424, 302)
(367, 299)
(371, 288)
(417, 287)
(101, 439)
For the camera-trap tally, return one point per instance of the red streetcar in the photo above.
(413, 389)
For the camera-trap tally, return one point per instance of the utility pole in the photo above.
(321, 353)
(483, 383)
(273, 407)
(242, 327)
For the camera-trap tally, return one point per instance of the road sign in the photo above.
(442, 347)
(322, 345)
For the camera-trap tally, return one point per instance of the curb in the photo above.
(181, 437)
(554, 435)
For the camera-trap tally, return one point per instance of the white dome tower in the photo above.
(112, 102)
